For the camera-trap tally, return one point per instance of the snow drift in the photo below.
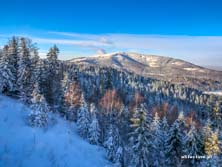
(56, 146)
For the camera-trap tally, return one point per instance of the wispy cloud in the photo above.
(99, 38)
(81, 43)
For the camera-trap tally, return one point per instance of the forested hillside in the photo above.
(139, 120)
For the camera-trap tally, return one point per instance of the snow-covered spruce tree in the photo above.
(119, 157)
(24, 71)
(36, 65)
(39, 109)
(13, 51)
(83, 118)
(113, 146)
(155, 123)
(124, 123)
(175, 142)
(193, 146)
(164, 129)
(94, 127)
(140, 139)
(7, 79)
(51, 80)
(158, 139)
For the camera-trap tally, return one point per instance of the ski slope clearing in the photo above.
(57, 146)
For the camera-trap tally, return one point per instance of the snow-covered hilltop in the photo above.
(58, 145)
(141, 63)
(158, 67)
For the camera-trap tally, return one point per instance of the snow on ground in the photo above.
(193, 69)
(56, 146)
(218, 93)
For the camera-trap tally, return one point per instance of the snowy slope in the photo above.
(217, 93)
(149, 65)
(57, 146)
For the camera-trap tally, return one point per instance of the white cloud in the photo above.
(100, 51)
(100, 38)
(81, 43)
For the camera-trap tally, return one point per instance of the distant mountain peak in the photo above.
(158, 67)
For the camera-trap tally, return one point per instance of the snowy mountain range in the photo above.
(158, 67)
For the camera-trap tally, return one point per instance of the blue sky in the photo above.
(185, 29)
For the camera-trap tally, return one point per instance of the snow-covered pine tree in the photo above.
(113, 145)
(7, 79)
(175, 142)
(119, 157)
(164, 129)
(13, 51)
(140, 139)
(158, 140)
(53, 54)
(124, 123)
(94, 127)
(51, 81)
(36, 65)
(155, 123)
(24, 71)
(39, 109)
(193, 146)
(83, 118)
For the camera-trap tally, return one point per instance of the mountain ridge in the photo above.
(133, 56)
(157, 67)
